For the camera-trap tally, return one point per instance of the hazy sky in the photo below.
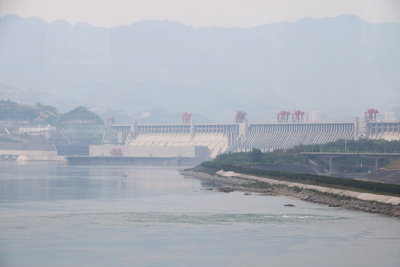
(226, 13)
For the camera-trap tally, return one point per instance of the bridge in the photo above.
(332, 155)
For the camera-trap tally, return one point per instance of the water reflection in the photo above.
(40, 182)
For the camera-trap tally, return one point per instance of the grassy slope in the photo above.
(394, 165)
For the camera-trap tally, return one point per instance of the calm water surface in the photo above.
(78, 215)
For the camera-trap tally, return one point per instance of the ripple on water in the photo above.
(157, 218)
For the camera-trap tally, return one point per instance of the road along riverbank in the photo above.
(368, 202)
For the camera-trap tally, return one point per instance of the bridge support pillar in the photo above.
(377, 163)
(331, 164)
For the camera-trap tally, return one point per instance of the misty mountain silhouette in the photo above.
(339, 65)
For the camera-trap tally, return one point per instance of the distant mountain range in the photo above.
(41, 114)
(340, 66)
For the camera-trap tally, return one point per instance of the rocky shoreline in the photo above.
(229, 183)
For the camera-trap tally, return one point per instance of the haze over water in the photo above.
(89, 215)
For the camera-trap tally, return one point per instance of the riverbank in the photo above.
(367, 202)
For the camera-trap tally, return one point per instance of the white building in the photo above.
(37, 130)
(389, 116)
(315, 116)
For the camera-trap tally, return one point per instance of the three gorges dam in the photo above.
(201, 141)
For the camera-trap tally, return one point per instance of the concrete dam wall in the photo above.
(236, 137)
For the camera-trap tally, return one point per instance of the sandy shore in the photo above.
(367, 202)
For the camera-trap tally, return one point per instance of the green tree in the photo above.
(255, 155)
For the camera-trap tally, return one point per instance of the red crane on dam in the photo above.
(283, 116)
(111, 120)
(370, 114)
(186, 117)
(240, 116)
(298, 116)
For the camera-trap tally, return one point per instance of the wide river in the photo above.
(107, 215)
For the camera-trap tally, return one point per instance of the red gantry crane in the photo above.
(370, 114)
(186, 117)
(283, 116)
(240, 116)
(111, 120)
(298, 116)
